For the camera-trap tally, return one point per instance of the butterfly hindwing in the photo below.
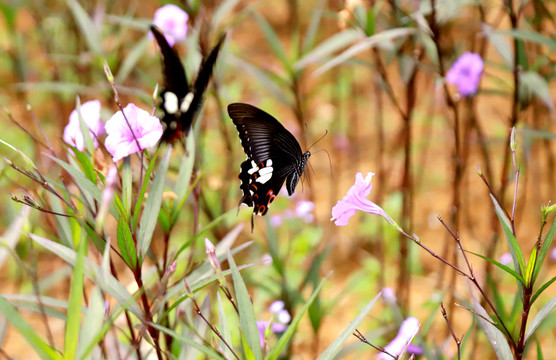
(180, 101)
(273, 156)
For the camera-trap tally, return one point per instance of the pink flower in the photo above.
(280, 317)
(505, 259)
(172, 20)
(211, 253)
(553, 254)
(90, 112)
(303, 210)
(465, 73)
(123, 135)
(408, 330)
(356, 199)
(388, 295)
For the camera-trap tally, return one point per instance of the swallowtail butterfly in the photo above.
(181, 101)
(273, 156)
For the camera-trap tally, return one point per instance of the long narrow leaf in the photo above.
(275, 352)
(542, 314)
(75, 299)
(545, 248)
(542, 288)
(497, 339)
(515, 249)
(13, 317)
(205, 350)
(86, 25)
(224, 328)
(93, 322)
(247, 320)
(11, 236)
(152, 207)
(501, 266)
(333, 349)
(273, 40)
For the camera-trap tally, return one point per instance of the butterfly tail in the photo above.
(175, 79)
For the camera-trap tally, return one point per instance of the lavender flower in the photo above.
(553, 254)
(122, 137)
(356, 199)
(172, 20)
(90, 112)
(465, 73)
(505, 259)
(280, 317)
(408, 330)
(211, 253)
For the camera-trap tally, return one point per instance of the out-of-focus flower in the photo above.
(465, 73)
(303, 210)
(505, 259)
(278, 324)
(553, 254)
(211, 253)
(388, 295)
(172, 20)
(266, 259)
(276, 220)
(90, 112)
(123, 136)
(409, 328)
(356, 199)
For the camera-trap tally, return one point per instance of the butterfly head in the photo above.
(294, 177)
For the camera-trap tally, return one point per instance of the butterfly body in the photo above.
(273, 157)
(181, 101)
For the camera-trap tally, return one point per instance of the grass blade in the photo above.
(247, 322)
(541, 315)
(333, 349)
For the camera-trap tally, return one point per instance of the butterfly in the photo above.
(181, 101)
(273, 157)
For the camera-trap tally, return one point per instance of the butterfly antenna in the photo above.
(319, 139)
(252, 223)
(329, 161)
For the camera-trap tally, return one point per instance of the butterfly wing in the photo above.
(180, 102)
(273, 155)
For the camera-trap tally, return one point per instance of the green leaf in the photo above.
(126, 244)
(129, 63)
(386, 36)
(43, 350)
(10, 238)
(273, 40)
(141, 198)
(329, 46)
(210, 353)
(531, 266)
(86, 26)
(127, 187)
(542, 288)
(224, 329)
(184, 175)
(496, 338)
(532, 36)
(222, 11)
(313, 27)
(92, 325)
(75, 299)
(290, 331)
(333, 349)
(541, 315)
(502, 266)
(532, 84)
(108, 283)
(515, 250)
(247, 321)
(500, 44)
(152, 206)
(16, 156)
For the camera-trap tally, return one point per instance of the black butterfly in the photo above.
(273, 156)
(181, 101)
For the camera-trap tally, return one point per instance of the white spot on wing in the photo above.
(170, 102)
(266, 170)
(263, 179)
(186, 103)
(269, 162)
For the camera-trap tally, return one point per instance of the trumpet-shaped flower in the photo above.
(172, 20)
(129, 129)
(90, 112)
(356, 199)
(465, 73)
(408, 330)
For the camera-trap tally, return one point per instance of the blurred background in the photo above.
(371, 76)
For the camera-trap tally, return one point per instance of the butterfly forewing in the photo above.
(180, 102)
(273, 155)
